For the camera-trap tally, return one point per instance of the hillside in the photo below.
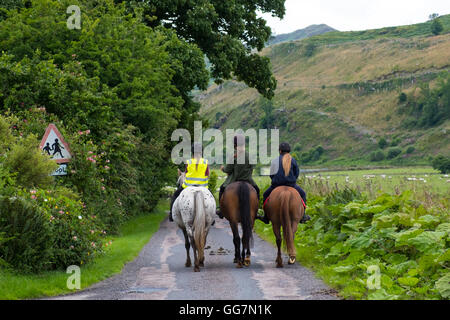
(341, 91)
(300, 34)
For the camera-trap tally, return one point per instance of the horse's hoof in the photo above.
(188, 264)
(196, 269)
(239, 265)
(201, 264)
(291, 260)
(247, 262)
(279, 265)
(235, 260)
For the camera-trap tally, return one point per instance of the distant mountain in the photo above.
(313, 30)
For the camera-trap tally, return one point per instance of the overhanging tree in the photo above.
(228, 32)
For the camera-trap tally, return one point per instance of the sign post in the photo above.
(56, 147)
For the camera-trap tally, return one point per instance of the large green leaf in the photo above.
(381, 294)
(408, 281)
(444, 227)
(343, 269)
(443, 285)
(403, 237)
(361, 242)
(427, 241)
(428, 220)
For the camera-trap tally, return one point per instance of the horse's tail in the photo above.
(199, 223)
(285, 199)
(244, 208)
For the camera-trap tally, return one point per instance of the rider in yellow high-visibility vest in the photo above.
(197, 174)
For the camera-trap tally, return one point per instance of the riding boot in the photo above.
(264, 218)
(170, 212)
(305, 218)
(222, 189)
(219, 213)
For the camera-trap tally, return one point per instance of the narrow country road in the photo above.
(159, 273)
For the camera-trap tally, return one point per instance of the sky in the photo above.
(354, 15)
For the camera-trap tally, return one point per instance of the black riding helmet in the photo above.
(285, 147)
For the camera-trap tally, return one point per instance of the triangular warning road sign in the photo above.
(54, 145)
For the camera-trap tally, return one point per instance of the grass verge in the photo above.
(134, 234)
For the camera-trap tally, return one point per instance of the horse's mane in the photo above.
(181, 178)
(287, 160)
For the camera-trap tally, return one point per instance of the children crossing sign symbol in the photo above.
(57, 148)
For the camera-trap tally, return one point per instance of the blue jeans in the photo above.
(295, 186)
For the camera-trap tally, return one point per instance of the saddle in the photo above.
(303, 202)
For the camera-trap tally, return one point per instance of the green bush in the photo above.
(402, 97)
(76, 235)
(442, 164)
(47, 230)
(410, 150)
(393, 153)
(377, 156)
(395, 142)
(382, 143)
(29, 244)
(312, 155)
(430, 106)
(212, 182)
(436, 27)
(31, 167)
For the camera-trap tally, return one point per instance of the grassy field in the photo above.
(134, 234)
(425, 182)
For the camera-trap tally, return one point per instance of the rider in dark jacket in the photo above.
(279, 178)
(237, 171)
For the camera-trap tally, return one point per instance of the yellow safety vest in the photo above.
(196, 177)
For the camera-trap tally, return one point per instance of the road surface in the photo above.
(159, 273)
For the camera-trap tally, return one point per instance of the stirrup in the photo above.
(264, 219)
(305, 218)
(219, 214)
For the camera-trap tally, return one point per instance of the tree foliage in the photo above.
(436, 25)
(125, 82)
(226, 31)
(442, 164)
(431, 106)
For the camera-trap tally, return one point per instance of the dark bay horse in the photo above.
(239, 204)
(284, 208)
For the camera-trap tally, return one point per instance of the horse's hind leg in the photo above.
(187, 246)
(237, 245)
(202, 260)
(277, 233)
(245, 258)
(292, 256)
(196, 261)
(247, 261)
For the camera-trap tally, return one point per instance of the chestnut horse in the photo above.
(239, 204)
(284, 208)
